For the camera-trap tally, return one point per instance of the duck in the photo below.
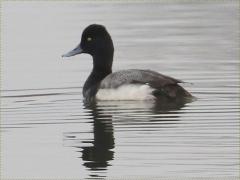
(130, 84)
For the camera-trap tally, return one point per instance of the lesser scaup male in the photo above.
(132, 84)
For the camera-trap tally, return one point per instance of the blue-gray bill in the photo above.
(77, 50)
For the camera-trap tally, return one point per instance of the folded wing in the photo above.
(162, 85)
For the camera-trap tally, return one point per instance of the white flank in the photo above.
(126, 92)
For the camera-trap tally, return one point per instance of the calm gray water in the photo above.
(47, 131)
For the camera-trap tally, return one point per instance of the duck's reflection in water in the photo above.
(99, 155)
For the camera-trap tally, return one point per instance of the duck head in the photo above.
(97, 42)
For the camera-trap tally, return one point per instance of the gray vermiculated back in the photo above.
(155, 79)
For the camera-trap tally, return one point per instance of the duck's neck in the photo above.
(102, 66)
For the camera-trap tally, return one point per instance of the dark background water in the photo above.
(47, 131)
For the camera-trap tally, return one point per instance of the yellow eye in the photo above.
(89, 39)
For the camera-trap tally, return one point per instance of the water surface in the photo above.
(48, 132)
